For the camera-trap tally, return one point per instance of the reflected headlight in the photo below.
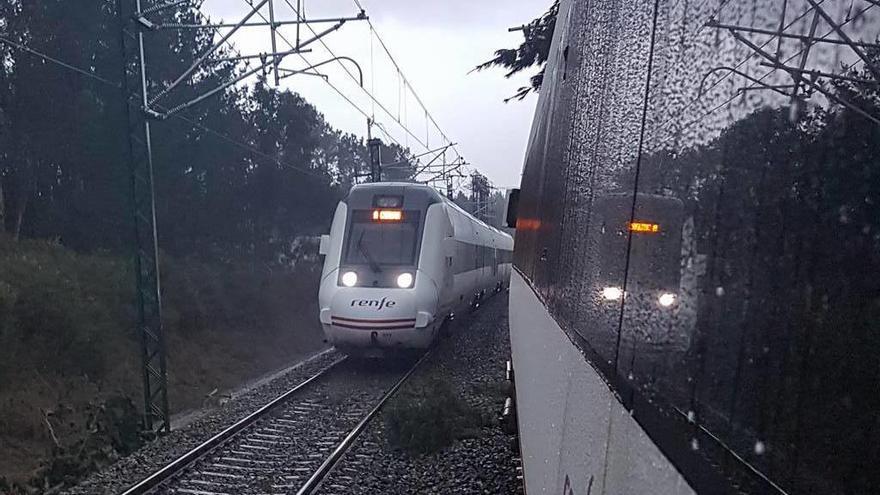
(404, 280)
(349, 279)
(612, 293)
(666, 299)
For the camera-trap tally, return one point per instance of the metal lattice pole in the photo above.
(135, 17)
(146, 251)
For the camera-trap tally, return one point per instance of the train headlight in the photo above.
(405, 280)
(349, 279)
(612, 293)
(666, 299)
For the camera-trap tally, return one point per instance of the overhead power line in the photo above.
(55, 61)
(117, 86)
(403, 77)
(430, 120)
(367, 92)
(406, 84)
(773, 70)
(447, 174)
(327, 81)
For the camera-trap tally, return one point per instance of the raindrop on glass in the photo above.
(759, 447)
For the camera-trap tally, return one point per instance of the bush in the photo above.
(427, 417)
(112, 430)
(69, 348)
(55, 303)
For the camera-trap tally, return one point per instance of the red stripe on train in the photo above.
(369, 320)
(361, 327)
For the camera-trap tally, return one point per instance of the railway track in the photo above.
(290, 444)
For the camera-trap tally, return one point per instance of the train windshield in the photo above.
(656, 240)
(382, 237)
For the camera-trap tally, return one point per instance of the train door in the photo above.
(449, 268)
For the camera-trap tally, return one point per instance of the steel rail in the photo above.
(327, 466)
(176, 466)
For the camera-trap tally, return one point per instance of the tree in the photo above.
(534, 50)
(397, 163)
(464, 202)
(239, 177)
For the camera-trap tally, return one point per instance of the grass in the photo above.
(428, 416)
(69, 356)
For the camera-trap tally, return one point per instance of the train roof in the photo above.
(407, 185)
(431, 191)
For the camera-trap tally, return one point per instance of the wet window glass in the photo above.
(716, 248)
(382, 242)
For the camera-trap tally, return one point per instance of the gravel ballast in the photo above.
(472, 363)
(479, 457)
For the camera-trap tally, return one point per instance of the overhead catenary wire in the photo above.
(736, 66)
(55, 61)
(368, 93)
(402, 81)
(406, 84)
(429, 118)
(371, 118)
(327, 81)
(405, 81)
(402, 75)
(118, 86)
(766, 74)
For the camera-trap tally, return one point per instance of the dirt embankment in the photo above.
(70, 395)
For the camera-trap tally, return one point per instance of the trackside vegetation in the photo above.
(69, 363)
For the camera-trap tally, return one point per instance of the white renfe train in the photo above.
(401, 259)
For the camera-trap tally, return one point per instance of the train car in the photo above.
(653, 239)
(694, 299)
(634, 262)
(400, 260)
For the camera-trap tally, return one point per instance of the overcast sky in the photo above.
(436, 44)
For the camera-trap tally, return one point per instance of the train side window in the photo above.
(565, 63)
(511, 208)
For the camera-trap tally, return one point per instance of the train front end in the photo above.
(374, 298)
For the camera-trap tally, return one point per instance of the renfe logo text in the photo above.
(374, 303)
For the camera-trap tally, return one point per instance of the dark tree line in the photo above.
(240, 176)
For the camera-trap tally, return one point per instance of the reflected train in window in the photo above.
(695, 301)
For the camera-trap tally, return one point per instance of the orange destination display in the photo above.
(387, 215)
(644, 227)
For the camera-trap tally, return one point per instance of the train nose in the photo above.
(375, 318)
(372, 307)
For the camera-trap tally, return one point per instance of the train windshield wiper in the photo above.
(363, 250)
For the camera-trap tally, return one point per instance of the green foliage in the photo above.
(68, 345)
(113, 429)
(202, 297)
(534, 50)
(59, 304)
(425, 417)
(63, 142)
